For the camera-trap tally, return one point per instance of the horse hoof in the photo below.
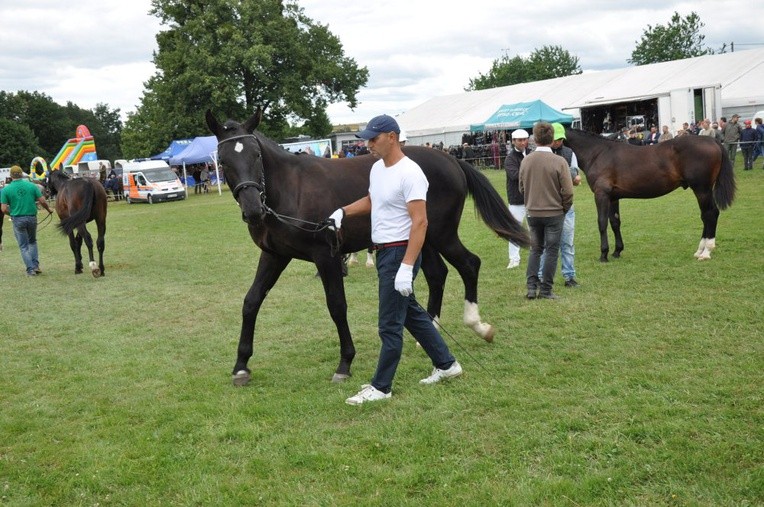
(338, 378)
(603, 259)
(77, 271)
(96, 273)
(617, 254)
(490, 334)
(241, 378)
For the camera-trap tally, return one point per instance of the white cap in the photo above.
(402, 136)
(519, 134)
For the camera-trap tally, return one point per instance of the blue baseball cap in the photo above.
(381, 124)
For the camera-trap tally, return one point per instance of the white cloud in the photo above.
(100, 51)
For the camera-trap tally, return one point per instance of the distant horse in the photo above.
(286, 198)
(79, 201)
(617, 170)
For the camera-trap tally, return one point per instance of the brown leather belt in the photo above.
(382, 246)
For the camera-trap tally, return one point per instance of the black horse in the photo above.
(79, 201)
(285, 197)
(617, 170)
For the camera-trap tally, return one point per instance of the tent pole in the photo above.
(214, 157)
(185, 181)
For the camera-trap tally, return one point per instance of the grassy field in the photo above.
(641, 387)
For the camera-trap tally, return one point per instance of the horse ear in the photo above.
(212, 122)
(254, 121)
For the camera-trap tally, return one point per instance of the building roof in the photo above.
(739, 74)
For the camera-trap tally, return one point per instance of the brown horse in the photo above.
(617, 170)
(79, 201)
(284, 198)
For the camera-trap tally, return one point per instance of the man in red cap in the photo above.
(749, 139)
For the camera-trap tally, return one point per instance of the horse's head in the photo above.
(56, 179)
(240, 155)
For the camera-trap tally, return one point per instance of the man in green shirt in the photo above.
(19, 200)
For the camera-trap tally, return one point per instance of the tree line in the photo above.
(235, 55)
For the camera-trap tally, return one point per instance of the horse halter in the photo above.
(248, 183)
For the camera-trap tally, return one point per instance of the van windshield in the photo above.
(159, 175)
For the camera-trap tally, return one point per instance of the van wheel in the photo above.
(150, 199)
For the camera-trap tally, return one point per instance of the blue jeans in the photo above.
(25, 230)
(545, 240)
(397, 312)
(567, 250)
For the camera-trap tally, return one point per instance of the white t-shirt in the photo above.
(390, 188)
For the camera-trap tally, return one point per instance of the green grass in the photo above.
(641, 387)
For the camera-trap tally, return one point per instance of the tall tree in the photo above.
(546, 62)
(233, 55)
(18, 144)
(680, 39)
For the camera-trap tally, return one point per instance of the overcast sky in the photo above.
(100, 51)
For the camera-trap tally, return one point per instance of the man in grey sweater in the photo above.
(547, 190)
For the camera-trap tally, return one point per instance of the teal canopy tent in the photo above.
(522, 115)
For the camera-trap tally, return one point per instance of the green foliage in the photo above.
(679, 39)
(233, 56)
(52, 124)
(641, 387)
(546, 62)
(18, 144)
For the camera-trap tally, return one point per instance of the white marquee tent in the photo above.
(740, 74)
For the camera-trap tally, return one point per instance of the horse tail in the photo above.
(724, 186)
(491, 208)
(82, 215)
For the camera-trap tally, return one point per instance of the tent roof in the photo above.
(173, 149)
(200, 150)
(738, 73)
(522, 115)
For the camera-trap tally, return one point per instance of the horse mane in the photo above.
(592, 135)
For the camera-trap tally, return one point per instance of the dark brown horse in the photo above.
(79, 201)
(616, 171)
(286, 198)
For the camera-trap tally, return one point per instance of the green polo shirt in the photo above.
(21, 197)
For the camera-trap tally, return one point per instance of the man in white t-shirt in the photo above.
(397, 201)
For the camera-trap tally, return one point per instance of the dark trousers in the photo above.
(545, 235)
(397, 312)
(747, 150)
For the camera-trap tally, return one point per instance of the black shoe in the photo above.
(531, 294)
(548, 295)
(571, 282)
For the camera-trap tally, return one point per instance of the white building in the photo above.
(740, 75)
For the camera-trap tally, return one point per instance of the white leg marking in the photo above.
(701, 247)
(472, 320)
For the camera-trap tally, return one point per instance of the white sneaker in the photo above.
(513, 264)
(367, 393)
(438, 375)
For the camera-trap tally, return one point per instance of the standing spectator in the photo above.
(717, 132)
(467, 154)
(548, 192)
(665, 135)
(397, 203)
(652, 137)
(19, 199)
(731, 135)
(205, 176)
(760, 130)
(102, 173)
(749, 140)
(567, 250)
(516, 204)
(706, 129)
(197, 174)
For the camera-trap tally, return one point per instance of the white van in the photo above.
(151, 181)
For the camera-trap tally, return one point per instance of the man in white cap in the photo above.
(397, 202)
(516, 205)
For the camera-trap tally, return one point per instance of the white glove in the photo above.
(404, 280)
(337, 216)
